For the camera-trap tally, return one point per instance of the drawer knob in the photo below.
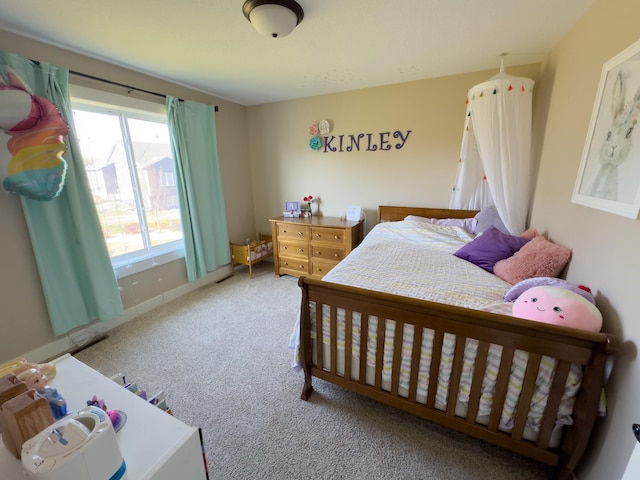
(336, 255)
(300, 233)
(337, 237)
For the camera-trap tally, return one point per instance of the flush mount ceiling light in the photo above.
(275, 18)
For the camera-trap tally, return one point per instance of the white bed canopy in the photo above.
(495, 157)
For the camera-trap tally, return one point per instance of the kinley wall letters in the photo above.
(368, 142)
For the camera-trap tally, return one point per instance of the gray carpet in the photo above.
(220, 353)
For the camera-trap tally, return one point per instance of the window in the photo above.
(131, 172)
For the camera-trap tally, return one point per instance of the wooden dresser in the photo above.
(312, 246)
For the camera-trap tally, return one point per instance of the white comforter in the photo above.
(404, 258)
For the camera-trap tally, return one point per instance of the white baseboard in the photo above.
(73, 340)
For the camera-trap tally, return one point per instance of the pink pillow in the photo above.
(530, 234)
(538, 258)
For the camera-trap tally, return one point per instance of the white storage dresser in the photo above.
(154, 444)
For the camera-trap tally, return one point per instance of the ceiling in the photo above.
(340, 45)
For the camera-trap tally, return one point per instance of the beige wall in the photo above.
(284, 167)
(265, 161)
(605, 246)
(24, 320)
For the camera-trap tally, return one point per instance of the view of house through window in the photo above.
(132, 178)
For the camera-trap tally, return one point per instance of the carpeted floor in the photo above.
(220, 354)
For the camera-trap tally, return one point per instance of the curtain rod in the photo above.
(123, 85)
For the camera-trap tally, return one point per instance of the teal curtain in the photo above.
(78, 281)
(192, 128)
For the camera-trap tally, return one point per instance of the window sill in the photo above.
(146, 262)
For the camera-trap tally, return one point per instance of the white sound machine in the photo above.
(79, 446)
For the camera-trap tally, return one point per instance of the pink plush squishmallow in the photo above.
(558, 306)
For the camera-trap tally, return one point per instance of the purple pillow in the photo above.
(490, 247)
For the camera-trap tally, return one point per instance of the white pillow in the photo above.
(469, 224)
(487, 217)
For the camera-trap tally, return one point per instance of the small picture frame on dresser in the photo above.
(291, 206)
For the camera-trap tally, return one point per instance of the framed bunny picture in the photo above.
(609, 174)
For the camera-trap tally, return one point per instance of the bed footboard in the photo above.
(439, 362)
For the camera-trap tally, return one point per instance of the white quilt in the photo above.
(404, 258)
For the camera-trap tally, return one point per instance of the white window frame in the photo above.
(168, 179)
(103, 102)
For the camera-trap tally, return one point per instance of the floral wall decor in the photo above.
(323, 127)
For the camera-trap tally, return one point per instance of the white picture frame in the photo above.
(291, 206)
(609, 175)
(354, 213)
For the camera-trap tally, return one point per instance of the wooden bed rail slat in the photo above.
(415, 363)
(306, 345)
(456, 375)
(319, 336)
(364, 334)
(434, 368)
(333, 335)
(528, 388)
(502, 384)
(476, 383)
(555, 397)
(381, 329)
(348, 341)
(397, 358)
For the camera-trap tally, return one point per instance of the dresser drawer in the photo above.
(326, 252)
(293, 265)
(288, 248)
(300, 232)
(334, 236)
(319, 268)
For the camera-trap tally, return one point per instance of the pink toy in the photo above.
(117, 417)
(558, 306)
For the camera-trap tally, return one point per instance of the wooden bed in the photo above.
(568, 346)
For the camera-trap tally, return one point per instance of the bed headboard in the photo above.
(393, 214)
